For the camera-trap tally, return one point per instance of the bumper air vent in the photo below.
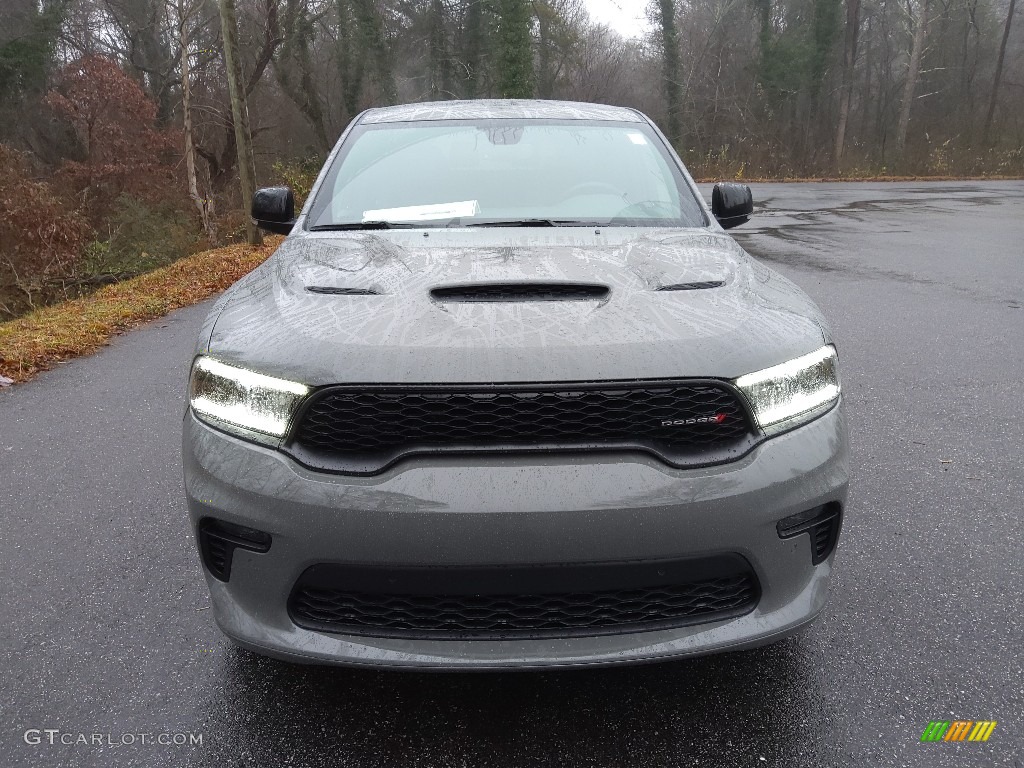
(513, 292)
(821, 524)
(219, 540)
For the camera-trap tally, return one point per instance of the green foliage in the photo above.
(372, 40)
(299, 175)
(301, 87)
(797, 41)
(515, 50)
(441, 74)
(785, 64)
(671, 74)
(825, 33)
(795, 56)
(474, 43)
(25, 58)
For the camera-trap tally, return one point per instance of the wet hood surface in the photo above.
(373, 319)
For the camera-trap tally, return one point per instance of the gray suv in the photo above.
(509, 396)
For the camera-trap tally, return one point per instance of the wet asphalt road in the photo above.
(104, 626)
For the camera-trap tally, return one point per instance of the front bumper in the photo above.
(515, 510)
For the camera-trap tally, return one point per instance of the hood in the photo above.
(387, 307)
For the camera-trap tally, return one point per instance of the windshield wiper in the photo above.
(531, 223)
(512, 223)
(356, 225)
(453, 223)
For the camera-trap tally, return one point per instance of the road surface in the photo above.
(106, 630)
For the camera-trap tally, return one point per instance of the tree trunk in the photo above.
(846, 91)
(869, 79)
(671, 62)
(440, 57)
(204, 204)
(999, 74)
(913, 70)
(825, 29)
(240, 114)
(349, 59)
(221, 164)
(545, 81)
(472, 49)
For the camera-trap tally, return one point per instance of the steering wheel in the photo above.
(592, 188)
(652, 209)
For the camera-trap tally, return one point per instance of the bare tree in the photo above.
(240, 113)
(222, 163)
(913, 71)
(186, 12)
(298, 28)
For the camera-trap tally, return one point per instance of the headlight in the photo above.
(795, 392)
(243, 399)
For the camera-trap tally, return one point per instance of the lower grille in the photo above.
(361, 430)
(428, 603)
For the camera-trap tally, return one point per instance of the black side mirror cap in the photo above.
(732, 204)
(273, 209)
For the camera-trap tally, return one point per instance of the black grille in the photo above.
(502, 292)
(324, 600)
(364, 430)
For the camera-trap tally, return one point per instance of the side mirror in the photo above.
(273, 209)
(732, 204)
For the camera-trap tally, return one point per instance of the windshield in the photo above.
(504, 172)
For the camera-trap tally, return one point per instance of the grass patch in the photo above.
(38, 340)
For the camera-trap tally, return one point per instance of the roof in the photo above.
(486, 109)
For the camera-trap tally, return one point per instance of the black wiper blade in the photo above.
(533, 223)
(513, 223)
(357, 225)
(453, 223)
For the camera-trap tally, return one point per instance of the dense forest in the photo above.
(126, 126)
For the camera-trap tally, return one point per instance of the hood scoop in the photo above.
(515, 292)
(341, 291)
(692, 286)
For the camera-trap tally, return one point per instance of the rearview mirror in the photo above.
(732, 204)
(273, 209)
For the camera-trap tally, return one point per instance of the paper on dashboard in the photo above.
(424, 212)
